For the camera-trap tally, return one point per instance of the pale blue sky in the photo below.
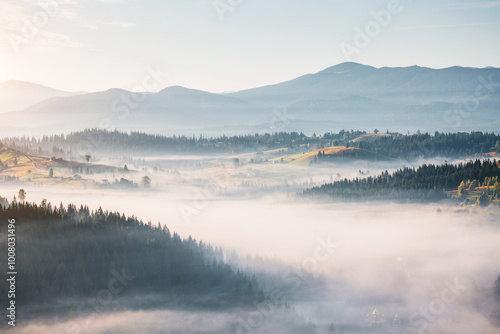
(97, 44)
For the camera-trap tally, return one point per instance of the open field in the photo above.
(371, 137)
(17, 166)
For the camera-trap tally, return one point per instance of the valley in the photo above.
(249, 167)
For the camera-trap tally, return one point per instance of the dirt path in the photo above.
(33, 162)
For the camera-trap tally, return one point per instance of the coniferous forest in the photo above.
(69, 253)
(76, 262)
(389, 145)
(424, 183)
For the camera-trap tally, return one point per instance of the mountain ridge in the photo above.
(19, 95)
(346, 95)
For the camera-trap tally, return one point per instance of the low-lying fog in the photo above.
(404, 259)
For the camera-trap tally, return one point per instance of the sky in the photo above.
(231, 45)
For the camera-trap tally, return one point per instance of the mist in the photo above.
(391, 257)
(220, 167)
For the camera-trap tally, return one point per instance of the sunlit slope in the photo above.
(34, 168)
(324, 155)
(371, 137)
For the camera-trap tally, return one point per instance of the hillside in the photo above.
(403, 98)
(16, 166)
(77, 264)
(265, 146)
(334, 153)
(413, 84)
(19, 95)
(61, 246)
(371, 137)
(172, 109)
(425, 183)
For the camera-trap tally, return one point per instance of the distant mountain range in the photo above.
(19, 95)
(345, 96)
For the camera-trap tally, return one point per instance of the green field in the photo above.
(36, 169)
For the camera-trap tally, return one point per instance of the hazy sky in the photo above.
(97, 44)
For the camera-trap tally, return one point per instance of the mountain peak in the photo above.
(346, 66)
(175, 88)
(180, 90)
(18, 95)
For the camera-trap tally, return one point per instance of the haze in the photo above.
(96, 45)
(285, 166)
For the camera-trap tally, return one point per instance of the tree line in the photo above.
(70, 253)
(390, 145)
(428, 182)
(73, 261)
(440, 144)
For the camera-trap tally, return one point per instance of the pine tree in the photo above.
(3, 202)
(461, 189)
(146, 182)
(21, 195)
(483, 200)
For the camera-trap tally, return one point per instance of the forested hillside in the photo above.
(439, 144)
(73, 262)
(70, 254)
(389, 145)
(427, 182)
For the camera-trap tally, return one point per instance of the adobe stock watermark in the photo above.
(154, 79)
(103, 298)
(202, 197)
(279, 120)
(224, 6)
(294, 280)
(122, 107)
(371, 30)
(31, 26)
(422, 320)
(464, 109)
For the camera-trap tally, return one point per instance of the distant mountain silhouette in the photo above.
(348, 95)
(18, 95)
